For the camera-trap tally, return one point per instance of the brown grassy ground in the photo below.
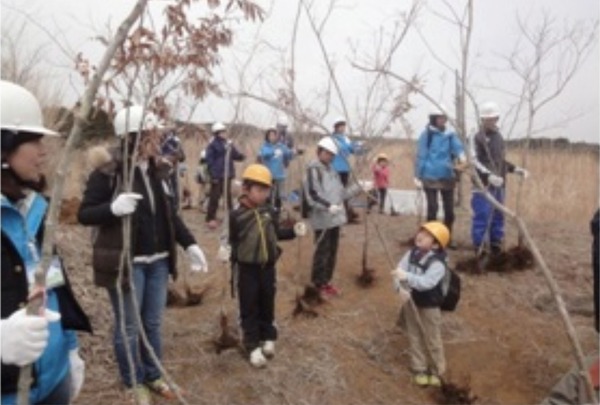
(505, 338)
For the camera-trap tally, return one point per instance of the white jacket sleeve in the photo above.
(473, 151)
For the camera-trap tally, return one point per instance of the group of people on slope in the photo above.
(131, 184)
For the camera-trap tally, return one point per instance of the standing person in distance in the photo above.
(325, 194)
(216, 154)
(48, 340)
(273, 154)
(489, 157)
(437, 149)
(341, 161)
(156, 228)
(381, 178)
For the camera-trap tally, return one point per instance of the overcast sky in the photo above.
(353, 25)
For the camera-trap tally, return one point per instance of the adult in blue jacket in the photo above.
(216, 154)
(437, 149)
(47, 341)
(275, 154)
(341, 161)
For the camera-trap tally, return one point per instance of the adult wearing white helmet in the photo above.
(46, 341)
(341, 162)
(325, 195)
(489, 156)
(216, 155)
(284, 136)
(156, 230)
(437, 149)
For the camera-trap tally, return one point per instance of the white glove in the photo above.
(495, 181)
(197, 259)
(77, 373)
(228, 143)
(300, 229)
(524, 173)
(224, 253)
(277, 154)
(24, 337)
(418, 183)
(335, 209)
(400, 274)
(125, 204)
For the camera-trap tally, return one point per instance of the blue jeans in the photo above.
(485, 215)
(150, 281)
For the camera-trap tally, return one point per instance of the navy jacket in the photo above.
(215, 158)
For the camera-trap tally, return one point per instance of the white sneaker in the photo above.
(257, 358)
(268, 348)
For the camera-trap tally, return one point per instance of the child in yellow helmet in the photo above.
(253, 251)
(422, 271)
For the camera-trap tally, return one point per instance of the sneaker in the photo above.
(435, 381)
(268, 349)
(160, 387)
(257, 358)
(421, 379)
(139, 395)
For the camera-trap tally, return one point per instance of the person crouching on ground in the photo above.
(422, 269)
(326, 194)
(253, 251)
(156, 228)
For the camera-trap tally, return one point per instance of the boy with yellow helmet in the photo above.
(253, 252)
(422, 270)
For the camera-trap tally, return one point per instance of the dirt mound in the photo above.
(517, 258)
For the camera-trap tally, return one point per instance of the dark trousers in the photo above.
(448, 204)
(596, 268)
(256, 292)
(216, 191)
(327, 241)
(382, 196)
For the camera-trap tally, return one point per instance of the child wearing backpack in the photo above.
(253, 251)
(423, 271)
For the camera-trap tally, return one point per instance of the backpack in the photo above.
(305, 206)
(450, 284)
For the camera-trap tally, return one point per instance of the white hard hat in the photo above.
(489, 109)
(282, 120)
(21, 112)
(339, 120)
(217, 127)
(439, 110)
(328, 144)
(132, 120)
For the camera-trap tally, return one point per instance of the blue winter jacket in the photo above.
(53, 366)
(341, 163)
(436, 151)
(276, 165)
(215, 158)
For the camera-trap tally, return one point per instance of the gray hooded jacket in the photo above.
(323, 188)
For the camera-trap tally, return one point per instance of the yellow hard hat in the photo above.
(382, 156)
(258, 173)
(439, 231)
